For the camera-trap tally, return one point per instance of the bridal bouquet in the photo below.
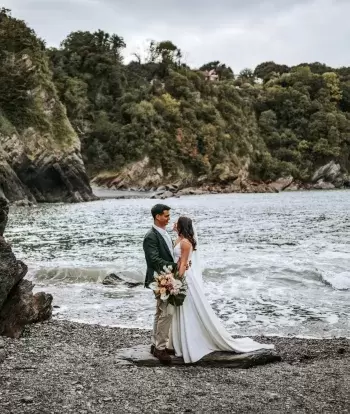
(169, 286)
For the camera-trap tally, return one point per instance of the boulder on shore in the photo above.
(18, 305)
(113, 279)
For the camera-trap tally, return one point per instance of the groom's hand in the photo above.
(189, 264)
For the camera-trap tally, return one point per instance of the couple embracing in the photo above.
(193, 330)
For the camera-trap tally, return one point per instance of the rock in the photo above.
(166, 194)
(4, 210)
(329, 172)
(140, 355)
(346, 181)
(113, 280)
(293, 187)
(248, 186)
(2, 350)
(144, 174)
(202, 179)
(22, 308)
(282, 183)
(23, 203)
(43, 165)
(27, 400)
(225, 172)
(191, 191)
(172, 187)
(272, 396)
(322, 185)
(18, 305)
(162, 195)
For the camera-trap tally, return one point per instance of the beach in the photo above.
(68, 367)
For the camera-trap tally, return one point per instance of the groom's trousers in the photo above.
(161, 327)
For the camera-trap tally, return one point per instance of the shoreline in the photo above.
(137, 328)
(68, 367)
(105, 193)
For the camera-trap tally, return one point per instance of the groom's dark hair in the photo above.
(158, 209)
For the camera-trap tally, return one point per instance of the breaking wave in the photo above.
(339, 281)
(81, 275)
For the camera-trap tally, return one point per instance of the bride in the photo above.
(196, 330)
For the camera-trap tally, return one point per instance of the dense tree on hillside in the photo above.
(268, 70)
(278, 120)
(20, 51)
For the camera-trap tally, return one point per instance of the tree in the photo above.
(247, 75)
(268, 70)
(164, 52)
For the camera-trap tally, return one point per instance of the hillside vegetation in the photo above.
(271, 122)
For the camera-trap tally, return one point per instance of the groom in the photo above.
(159, 252)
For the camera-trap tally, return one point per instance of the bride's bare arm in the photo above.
(185, 253)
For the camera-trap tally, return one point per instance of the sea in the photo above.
(273, 264)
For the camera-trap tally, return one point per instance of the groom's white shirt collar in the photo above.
(166, 238)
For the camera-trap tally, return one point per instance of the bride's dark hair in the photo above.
(185, 229)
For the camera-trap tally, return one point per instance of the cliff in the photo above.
(40, 158)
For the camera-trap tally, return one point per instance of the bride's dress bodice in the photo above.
(177, 252)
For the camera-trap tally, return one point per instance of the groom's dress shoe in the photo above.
(163, 356)
(168, 350)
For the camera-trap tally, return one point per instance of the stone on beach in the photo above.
(140, 355)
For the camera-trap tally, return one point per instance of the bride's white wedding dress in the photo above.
(196, 330)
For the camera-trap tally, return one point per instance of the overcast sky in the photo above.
(240, 33)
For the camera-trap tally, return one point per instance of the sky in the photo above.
(240, 33)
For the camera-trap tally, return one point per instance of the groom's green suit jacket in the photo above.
(157, 254)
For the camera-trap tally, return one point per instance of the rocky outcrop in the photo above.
(282, 183)
(37, 168)
(330, 176)
(142, 174)
(40, 158)
(18, 305)
(228, 178)
(116, 280)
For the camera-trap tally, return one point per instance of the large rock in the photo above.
(116, 279)
(146, 175)
(22, 308)
(191, 191)
(282, 183)
(56, 174)
(162, 195)
(140, 355)
(323, 185)
(18, 305)
(40, 156)
(330, 172)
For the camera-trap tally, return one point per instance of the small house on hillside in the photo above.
(211, 75)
